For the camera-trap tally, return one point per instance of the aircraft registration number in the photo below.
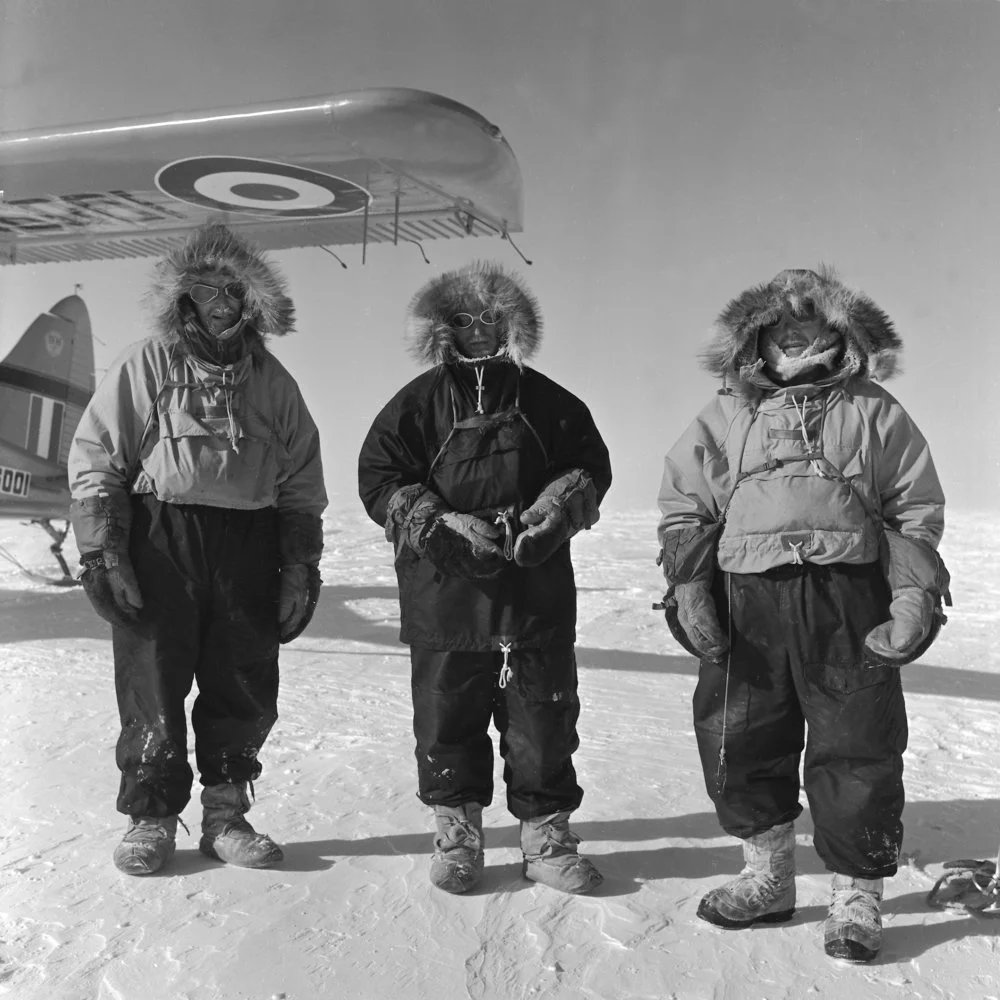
(14, 482)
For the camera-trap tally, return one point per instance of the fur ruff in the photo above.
(473, 288)
(267, 309)
(871, 345)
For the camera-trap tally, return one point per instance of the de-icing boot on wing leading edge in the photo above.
(764, 892)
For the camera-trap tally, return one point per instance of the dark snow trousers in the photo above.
(457, 694)
(797, 663)
(209, 581)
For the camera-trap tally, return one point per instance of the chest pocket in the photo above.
(489, 460)
(208, 452)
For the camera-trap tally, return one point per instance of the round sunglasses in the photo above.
(462, 321)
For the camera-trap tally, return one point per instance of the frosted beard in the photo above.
(821, 353)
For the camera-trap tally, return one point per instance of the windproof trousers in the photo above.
(457, 694)
(209, 582)
(797, 679)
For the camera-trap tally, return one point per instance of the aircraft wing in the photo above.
(370, 166)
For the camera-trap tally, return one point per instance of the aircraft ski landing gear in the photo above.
(58, 536)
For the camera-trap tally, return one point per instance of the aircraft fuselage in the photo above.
(31, 487)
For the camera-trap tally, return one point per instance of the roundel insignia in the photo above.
(250, 186)
(54, 343)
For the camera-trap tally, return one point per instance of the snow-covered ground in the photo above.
(350, 914)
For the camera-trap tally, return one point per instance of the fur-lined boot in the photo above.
(853, 928)
(458, 861)
(147, 846)
(764, 892)
(550, 855)
(226, 834)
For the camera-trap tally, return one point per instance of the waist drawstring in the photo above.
(506, 671)
(796, 548)
(504, 518)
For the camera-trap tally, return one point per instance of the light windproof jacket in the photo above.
(810, 473)
(807, 474)
(167, 421)
(237, 436)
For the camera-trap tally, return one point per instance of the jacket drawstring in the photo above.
(480, 375)
(506, 671)
(504, 518)
(228, 393)
(796, 548)
(801, 414)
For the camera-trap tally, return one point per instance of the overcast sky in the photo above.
(672, 154)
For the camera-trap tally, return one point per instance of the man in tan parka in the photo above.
(801, 514)
(197, 488)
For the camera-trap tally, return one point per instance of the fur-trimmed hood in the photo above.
(871, 344)
(267, 309)
(473, 288)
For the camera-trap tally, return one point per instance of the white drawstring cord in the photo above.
(506, 672)
(508, 541)
(801, 414)
(796, 548)
(723, 769)
(227, 393)
(480, 374)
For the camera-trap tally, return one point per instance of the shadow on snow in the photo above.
(28, 615)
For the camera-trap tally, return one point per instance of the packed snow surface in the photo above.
(350, 913)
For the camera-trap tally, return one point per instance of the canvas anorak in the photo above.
(486, 436)
(805, 473)
(168, 419)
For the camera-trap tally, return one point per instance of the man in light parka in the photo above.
(198, 495)
(800, 517)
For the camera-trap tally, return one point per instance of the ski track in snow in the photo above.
(351, 914)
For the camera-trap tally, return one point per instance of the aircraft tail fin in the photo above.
(46, 381)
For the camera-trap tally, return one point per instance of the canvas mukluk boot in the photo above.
(853, 928)
(764, 892)
(226, 834)
(550, 855)
(148, 844)
(457, 864)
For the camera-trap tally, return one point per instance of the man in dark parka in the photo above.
(481, 470)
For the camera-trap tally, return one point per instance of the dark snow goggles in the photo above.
(203, 294)
(462, 321)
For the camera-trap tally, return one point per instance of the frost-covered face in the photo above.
(477, 334)
(222, 311)
(789, 338)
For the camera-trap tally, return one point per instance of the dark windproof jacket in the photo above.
(531, 430)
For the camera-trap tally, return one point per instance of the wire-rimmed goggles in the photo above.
(203, 294)
(462, 321)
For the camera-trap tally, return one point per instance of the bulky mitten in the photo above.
(919, 581)
(460, 545)
(111, 587)
(687, 558)
(298, 591)
(568, 504)
(699, 622)
(463, 545)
